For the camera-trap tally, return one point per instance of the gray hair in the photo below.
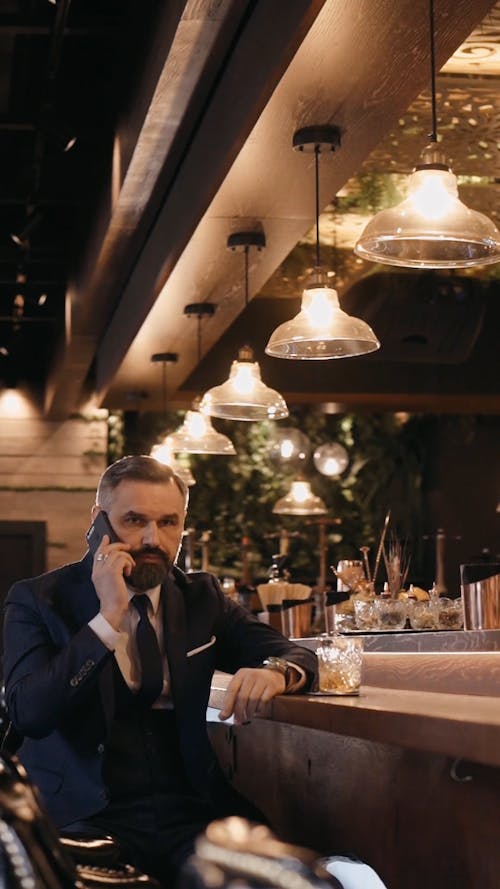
(137, 468)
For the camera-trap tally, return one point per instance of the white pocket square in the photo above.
(201, 647)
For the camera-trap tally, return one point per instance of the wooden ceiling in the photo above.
(198, 145)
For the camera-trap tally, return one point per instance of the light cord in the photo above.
(246, 274)
(164, 391)
(433, 134)
(316, 172)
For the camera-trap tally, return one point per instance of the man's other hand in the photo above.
(249, 690)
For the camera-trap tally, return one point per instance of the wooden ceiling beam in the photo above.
(359, 67)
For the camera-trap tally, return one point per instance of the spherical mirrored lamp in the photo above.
(244, 396)
(322, 329)
(288, 445)
(300, 500)
(331, 459)
(431, 228)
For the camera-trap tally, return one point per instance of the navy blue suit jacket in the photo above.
(59, 677)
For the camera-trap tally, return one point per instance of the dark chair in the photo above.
(33, 853)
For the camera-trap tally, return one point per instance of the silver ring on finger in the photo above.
(101, 557)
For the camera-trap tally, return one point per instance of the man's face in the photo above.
(150, 517)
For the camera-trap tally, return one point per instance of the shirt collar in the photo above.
(154, 596)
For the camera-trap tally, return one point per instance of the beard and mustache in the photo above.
(145, 575)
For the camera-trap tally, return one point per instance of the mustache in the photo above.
(151, 551)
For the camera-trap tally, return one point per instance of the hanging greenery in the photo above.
(234, 496)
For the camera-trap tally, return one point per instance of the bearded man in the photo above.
(108, 664)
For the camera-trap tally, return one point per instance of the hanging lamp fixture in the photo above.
(300, 500)
(197, 435)
(244, 396)
(321, 329)
(431, 228)
(162, 452)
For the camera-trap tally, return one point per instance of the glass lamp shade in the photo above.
(331, 459)
(431, 228)
(198, 436)
(244, 396)
(163, 453)
(321, 329)
(300, 500)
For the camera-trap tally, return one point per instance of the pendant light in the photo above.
(197, 435)
(431, 228)
(162, 452)
(321, 329)
(331, 459)
(300, 500)
(244, 396)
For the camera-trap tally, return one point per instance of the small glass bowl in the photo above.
(391, 613)
(449, 613)
(366, 615)
(421, 615)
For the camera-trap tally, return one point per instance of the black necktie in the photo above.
(149, 653)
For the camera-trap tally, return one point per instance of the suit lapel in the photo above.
(174, 629)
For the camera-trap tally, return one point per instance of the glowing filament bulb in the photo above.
(286, 449)
(319, 304)
(196, 424)
(301, 491)
(433, 193)
(244, 379)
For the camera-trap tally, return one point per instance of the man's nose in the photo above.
(151, 535)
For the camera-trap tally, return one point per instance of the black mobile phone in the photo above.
(100, 526)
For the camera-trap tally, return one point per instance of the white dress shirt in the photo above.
(124, 645)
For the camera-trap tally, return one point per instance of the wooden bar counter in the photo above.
(407, 775)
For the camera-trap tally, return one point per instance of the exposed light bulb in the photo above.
(196, 424)
(319, 304)
(433, 193)
(300, 491)
(286, 449)
(244, 378)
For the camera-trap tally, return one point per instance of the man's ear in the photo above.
(94, 511)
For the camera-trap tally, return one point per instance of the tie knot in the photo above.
(141, 603)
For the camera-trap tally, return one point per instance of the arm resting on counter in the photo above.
(465, 726)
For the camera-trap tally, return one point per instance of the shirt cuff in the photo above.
(295, 683)
(105, 632)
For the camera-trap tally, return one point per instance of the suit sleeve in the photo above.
(49, 670)
(245, 642)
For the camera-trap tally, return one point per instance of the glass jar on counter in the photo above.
(391, 613)
(448, 613)
(421, 615)
(366, 614)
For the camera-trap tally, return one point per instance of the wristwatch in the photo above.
(279, 664)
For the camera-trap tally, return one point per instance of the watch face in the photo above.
(276, 663)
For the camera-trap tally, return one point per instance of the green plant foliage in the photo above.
(234, 496)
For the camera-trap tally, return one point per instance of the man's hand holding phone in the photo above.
(112, 565)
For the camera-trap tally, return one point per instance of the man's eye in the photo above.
(166, 522)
